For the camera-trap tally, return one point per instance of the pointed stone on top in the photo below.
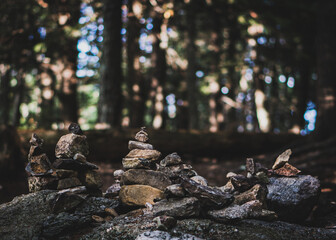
(282, 159)
(75, 128)
(142, 135)
(36, 140)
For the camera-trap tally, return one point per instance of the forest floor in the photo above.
(212, 156)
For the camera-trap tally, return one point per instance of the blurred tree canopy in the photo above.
(238, 65)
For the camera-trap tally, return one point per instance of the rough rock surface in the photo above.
(209, 197)
(178, 208)
(146, 177)
(292, 198)
(236, 212)
(175, 171)
(93, 179)
(122, 228)
(171, 159)
(41, 183)
(199, 179)
(31, 216)
(72, 164)
(257, 192)
(139, 195)
(175, 190)
(70, 144)
(161, 235)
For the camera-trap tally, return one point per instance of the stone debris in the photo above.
(236, 212)
(257, 192)
(113, 190)
(175, 190)
(209, 197)
(250, 167)
(287, 170)
(112, 212)
(175, 171)
(178, 208)
(241, 183)
(282, 159)
(199, 179)
(171, 159)
(164, 222)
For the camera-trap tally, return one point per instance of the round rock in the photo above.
(70, 144)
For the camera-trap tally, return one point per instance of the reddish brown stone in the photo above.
(287, 170)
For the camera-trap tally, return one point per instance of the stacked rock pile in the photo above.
(39, 167)
(171, 189)
(70, 169)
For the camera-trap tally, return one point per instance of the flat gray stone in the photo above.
(152, 178)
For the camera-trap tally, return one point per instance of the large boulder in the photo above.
(50, 214)
(293, 198)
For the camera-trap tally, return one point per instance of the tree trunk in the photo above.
(137, 90)
(4, 94)
(62, 48)
(233, 79)
(217, 110)
(47, 86)
(326, 62)
(110, 99)
(159, 67)
(192, 88)
(18, 98)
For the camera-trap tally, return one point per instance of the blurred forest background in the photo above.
(209, 78)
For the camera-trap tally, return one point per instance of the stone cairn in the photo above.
(170, 189)
(70, 169)
(39, 167)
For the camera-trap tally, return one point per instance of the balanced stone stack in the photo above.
(39, 167)
(71, 167)
(141, 184)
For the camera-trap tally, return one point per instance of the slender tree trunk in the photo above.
(231, 60)
(47, 85)
(215, 103)
(159, 67)
(137, 89)
(192, 88)
(302, 87)
(110, 99)
(326, 62)
(4, 94)
(263, 119)
(18, 98)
